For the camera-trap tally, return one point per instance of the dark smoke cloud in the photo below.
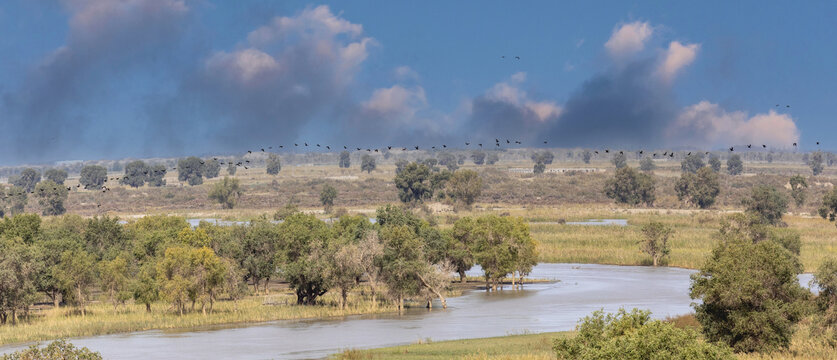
(49, 117)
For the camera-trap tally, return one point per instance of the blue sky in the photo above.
(92, 79)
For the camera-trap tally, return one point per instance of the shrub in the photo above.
(767, 203)
(633, 335)
(699, 189)
(734, 165)
(58, 349)
(226, 192)
(629, 186)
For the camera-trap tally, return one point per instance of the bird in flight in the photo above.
(731, 148)
(517, 57)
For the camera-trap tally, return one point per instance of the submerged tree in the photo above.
(655, 240)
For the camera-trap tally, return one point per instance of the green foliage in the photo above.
(136, 174)
(156, 175)
(327, 196)
(692, 163)
(231, 168)
(413, 183)
(345, 160)
(715, 163)
(367, 163)
(93, 177)
(734, 165)
(58, 349)
(698, 189)
(798, 186)
(539, 168)
(465, 186)
(27, 179)
(748, 290)
(647, 164)
(56, 175)
(258, 258)
(273, 164)
(190, 274)
(478, 157)
(460, 244)
(400, 165)
(75, 273)
(619, 160)
(501, 246)
(655, 240)
(114, 276)
(826, 280)
(304, 256)
(767, 203)
(51, 197)
(211, 168)
(15, 197)
(18, 268)
(226, 192)
(629, 186)
(27, 227)
(828, 210)
(144, 287)
(401, 261)
(633, 335)
(105, 236)
(190, 170)
(816, 163)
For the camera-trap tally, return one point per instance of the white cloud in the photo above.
(628, 39)
(397, 101)
(511, 94)
(316, 22)
(676, 58)
(707, 124)
(405, 73)
(244, 66)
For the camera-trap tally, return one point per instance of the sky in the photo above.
(111, 79)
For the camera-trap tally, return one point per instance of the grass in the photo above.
(514, 347)
(804, 345)
(101, 318)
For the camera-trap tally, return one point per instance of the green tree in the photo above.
(231, 169)
(18, 268)
(766, 203)
(259, 249)
(345, 160)
(619, 160)
(27, 179)
(586, 156)
(327, 197)
(58, 349)
(655, 240)
(144, 286)
(56, 175)
(400, 165)
(76, 273)
(401, 261)
(51, 197)
(16, 198)
(304, 256)
(715, 163)
(629, 186)
(692, 163)
(816, 163)
(700, 189)
(449, 161)
(27, 227)
(93, 177)
(226, 192)
(114, 277)
(634, 336)
(826, 280)
(748, 292)
(460, 247)
(798, 186)
(156, 175)
(211, 168)
(478, 157)
(499, 243)
(828, 210)
(136, 174)
(465, 186)
(545, 157)
(413, 183)
(734, 165)
(539, 168)
(647, 164)
(190, 170)
(367, 163)
(274, 164)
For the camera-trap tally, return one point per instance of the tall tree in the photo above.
(51, 197)
(401, 261)
(190, 170)
(465, 186)
(816, 163)
(156, 175)
(211, 168)
(136, 174)
(734, 165)
(27, 179)
(56, 175)
(345, 160)
(93, 177)
(828, 210)
(478, 157)
(798, 186)
(655, 240)
(114, 278)
(586, 156)
(700, 189)
(629, 186)
(327, 197)
(715, 163)
(76, 273)
(767, 203)
(305, 255)
(367, 163)
(413, 183)
(692, 163)
(619, 160)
